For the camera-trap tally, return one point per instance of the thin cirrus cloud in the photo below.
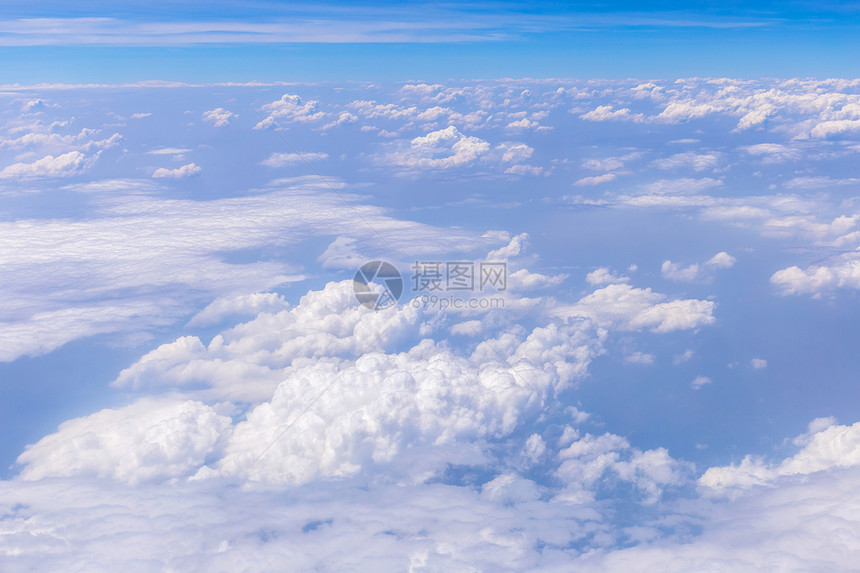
(293, 25)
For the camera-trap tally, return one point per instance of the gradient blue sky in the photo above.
(189, 41)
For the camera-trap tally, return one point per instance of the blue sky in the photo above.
(667, 381)
(188, 41)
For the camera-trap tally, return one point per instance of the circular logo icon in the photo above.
(386, 277)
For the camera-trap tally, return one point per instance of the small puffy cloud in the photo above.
(641, 358)
(606, 113)
(290, 108)
(683, 357)
(467, 328)
(65, 165)
(218, 117)
(758, 363)
(178, 173)
(696, 271)
(603, 276)
(140, 115)
(700, 381)
(281, 159)
(446, 148)
(345, 118)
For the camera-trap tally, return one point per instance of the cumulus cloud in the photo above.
(841, 272)
(290, 108)
(64, 165)
(603, 276)
(178, 173)
(218, 117)
(627, 308)
(606, 113)
(697, 271)
(443, 149)
(150, 440)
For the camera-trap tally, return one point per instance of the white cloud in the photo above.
(281, 159)
(603, 276)
(684, 357)
(443, 149)
(700, 381)
(290, 108)
(640, 358)
(64, 165)
(758, 363)
(178, 173)
(690, 160)
(827, 445)
(218, 117)
(127, 267)
(841, 272)
(249, 304)
(696, 271)
(606, 113)
(150, 440)
(682, 186)
(169, 151)
(628, 308)
(596, 179)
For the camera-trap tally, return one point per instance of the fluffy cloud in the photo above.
(827, 445)
(841, 272)
(606, 113)
(127, 265)
(150, 440)
(218, 117)
(441, 149)
(251, 305)
(603, 276)
(627, 308)
(64, 165)
(696, 271)
(178, 173)
(290, 108)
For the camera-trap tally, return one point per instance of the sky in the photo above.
(615, 329)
